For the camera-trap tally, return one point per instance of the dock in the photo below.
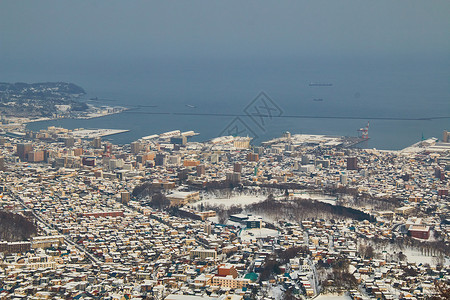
(349, 142)
(93, 133)
(167, 135)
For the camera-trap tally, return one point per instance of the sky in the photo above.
(46, 31)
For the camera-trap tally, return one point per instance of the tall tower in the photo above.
(135, 147)
(125, 197)
(207, 228)
(108, 147)
(343, 178)
(23, 149)
(69, 142)
(97, 142)
(160, 159)
(352, 163)
(201, 170)
(237, 167)
(2, 163)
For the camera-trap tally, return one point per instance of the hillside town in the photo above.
(297, 217)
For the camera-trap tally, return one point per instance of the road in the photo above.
(46, 225)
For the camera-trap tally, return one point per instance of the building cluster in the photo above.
(98, 238)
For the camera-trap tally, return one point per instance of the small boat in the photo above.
(317, 99)
(146, 105)
(191, 106)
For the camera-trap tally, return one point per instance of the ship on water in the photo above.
(320, 84)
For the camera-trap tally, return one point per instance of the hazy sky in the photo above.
(109, 30)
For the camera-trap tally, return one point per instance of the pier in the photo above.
(93, 133)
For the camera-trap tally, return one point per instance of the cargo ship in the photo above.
(320, 84)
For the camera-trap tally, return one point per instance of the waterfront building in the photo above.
(97, 142)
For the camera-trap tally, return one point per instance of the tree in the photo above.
(340, 275)
(366, 251)
(292, 252)
(15, 227)
(401, 256)
(271, 266)
(159, 201)
(442, 290)
(287, 295)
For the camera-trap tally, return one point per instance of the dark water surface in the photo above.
(401, 98)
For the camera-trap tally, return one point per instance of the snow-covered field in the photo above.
(251, 234)
(317, 197)
(250, 199)
(414, 256)
(233, 200)
(332, 297)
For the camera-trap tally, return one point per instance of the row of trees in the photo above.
(427, 248)
(364, 200)
(304, 209)
(297, 209)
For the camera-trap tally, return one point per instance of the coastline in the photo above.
(89, 116)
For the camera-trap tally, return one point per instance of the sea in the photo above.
(403, 100)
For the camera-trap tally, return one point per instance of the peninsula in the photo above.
(21, 103)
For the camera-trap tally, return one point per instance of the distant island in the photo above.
(26, 102)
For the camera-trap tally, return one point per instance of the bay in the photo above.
(404, 99)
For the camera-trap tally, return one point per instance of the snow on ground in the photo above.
(318, 197)
(234, 200)
(62, 107)
(332, 297)
(276, 292)
(214, 219)
(250, 199)
(414, 256)
(254, 233)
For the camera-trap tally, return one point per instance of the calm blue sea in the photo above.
(362, 89)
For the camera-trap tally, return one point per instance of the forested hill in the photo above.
(46, 99)
(15, 227)
(41, 91)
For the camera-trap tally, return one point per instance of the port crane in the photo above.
(364, 132)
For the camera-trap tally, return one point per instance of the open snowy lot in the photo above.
(233, 200)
